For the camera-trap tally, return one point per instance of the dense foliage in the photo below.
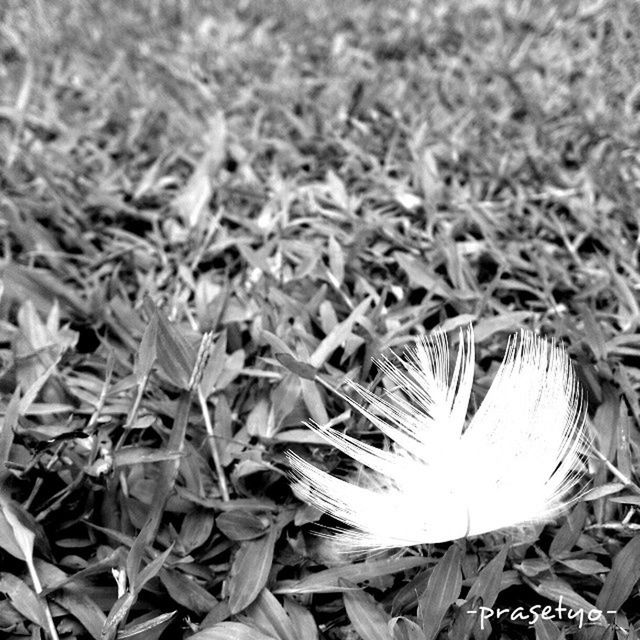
(207, 205)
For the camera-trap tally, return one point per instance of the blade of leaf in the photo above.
(366, 616)
(298, 367)
(147, 351)
(547, 630)
(83, 608)
(168, 471)
(148, 629)
(624, 574)
(7, 428)
(215, 365)
(23, 599)
(117, 615)
(466, 619)
(195, 530)
(230, 631)
(250, 570)
(555, 588)
(152, 569)
(327, 581)
(186, 592)
(269, 616)
(241, 525)
(302, 620)
(313, 401)
(139, 455)
(175, 355)
(34, 389)
(569, 532)
(487, 584)
(192, 203)
(25, 536)
(338, 335)
(405, 629)
(443, 588)
(23, 283)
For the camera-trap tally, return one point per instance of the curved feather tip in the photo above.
(516, 461)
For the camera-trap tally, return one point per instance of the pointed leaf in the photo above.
(586, 566)
(22, 529)
(241, 525)
(465, 620)
(302, 619)
(117, 615)
(419, 275)
(487, 584)
(8, 424)
(193, 201)
(301, 369)
(547, 630)
(556, 589)
(195, 530)
(176, 357)
(624, 574)
(7, 538)
(266, 613)
(366, 616)
(405, 629)
(38, 285)
(327, 581)
(215, 366)
(147, 629)
(313, 401)
(187, 592)
(83, 608)
(231, 631)
(152, 569)
(443, 589)
(338, 335)
(569, 532)
(147, 351)
(336, 259)
(250, 570)
(126, 456)
(23, 599)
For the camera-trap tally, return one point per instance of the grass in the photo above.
(324, 180)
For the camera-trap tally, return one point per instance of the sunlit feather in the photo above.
(516, 462)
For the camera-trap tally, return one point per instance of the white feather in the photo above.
(516, 462)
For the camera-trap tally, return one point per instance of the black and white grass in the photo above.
(518, 461)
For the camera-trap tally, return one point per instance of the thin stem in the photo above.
(617, 473)
(213, 445)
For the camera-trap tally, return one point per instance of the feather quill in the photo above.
(515, 463)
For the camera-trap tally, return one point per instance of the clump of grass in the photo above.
(204, 206)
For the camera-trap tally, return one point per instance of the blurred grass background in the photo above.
(326, 180)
